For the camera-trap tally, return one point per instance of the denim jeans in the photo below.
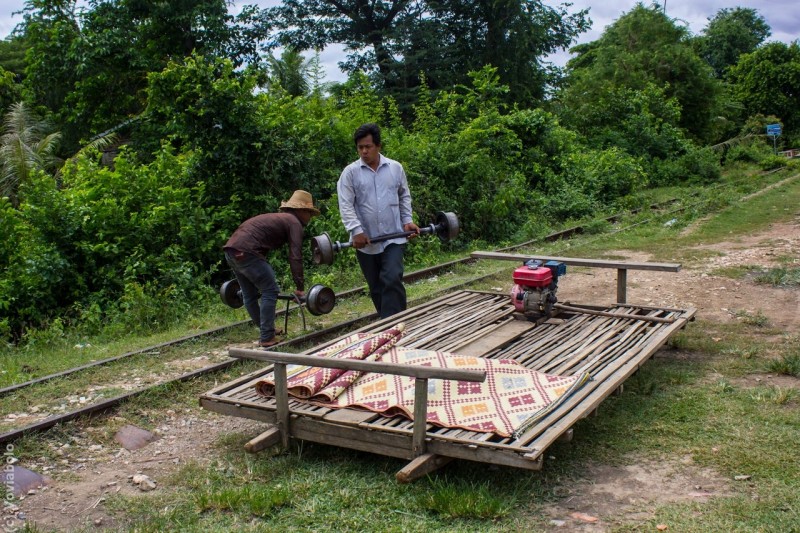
(384, 275)
(256, 277)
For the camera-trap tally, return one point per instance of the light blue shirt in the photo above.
(374, 202)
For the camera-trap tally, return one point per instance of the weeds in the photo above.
(774, 395)
(780, 277)
(255, 500)
(758, 319)
(787, 365)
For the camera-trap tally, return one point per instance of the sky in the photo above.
(783, 16)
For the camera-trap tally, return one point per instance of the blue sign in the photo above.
(773, 129)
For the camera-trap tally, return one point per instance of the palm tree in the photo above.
(26, 146)
(291, 72)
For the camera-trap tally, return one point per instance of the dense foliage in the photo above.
(767, 81)
(210, 132)
(729, 34)
(446, 39)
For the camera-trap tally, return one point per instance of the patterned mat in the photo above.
(512, 398)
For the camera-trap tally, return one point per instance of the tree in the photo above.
(12, 55)
(52, 30)
(291, 73)
(511, 35)
(643, 47)
(9, 90)
(446, 39)
(89, 67)
(766, 81)
(729, 34)
(307, 24)
(27, 145)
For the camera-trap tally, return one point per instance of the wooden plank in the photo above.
(420, 416)
(612, 314)
(282, 403)
(269, 438)
(589, 397)
(498, 337)
(595, 263)
(391, 444)
(350, 416)
(421, 466)
(423, 372)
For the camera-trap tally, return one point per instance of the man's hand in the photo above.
(411, 227)
(360, 241)
(299, 295)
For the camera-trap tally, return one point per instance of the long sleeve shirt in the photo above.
(264, 233)
(375, 202)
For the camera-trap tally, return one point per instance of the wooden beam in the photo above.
(574, 309)
(282, 402)
(421, 466)
(488, 342)
(424, 372)
(622, 285)
(420, 416)
(567, 436)
(596, 263)
(269, 438)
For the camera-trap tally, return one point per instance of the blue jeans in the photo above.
(384, 275)
(256, 277)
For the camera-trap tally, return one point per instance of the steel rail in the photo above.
(106, 405)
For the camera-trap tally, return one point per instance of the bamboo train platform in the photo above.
(610, 342)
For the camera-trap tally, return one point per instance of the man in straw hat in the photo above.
(246, 252)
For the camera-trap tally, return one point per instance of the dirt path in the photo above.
(87, 473)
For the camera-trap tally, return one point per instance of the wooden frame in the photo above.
(610, 342)
(421, 375)
(621, 266)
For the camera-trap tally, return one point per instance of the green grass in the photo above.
(780, 277)
(788, 365)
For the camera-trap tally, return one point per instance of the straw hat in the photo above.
(300, 200)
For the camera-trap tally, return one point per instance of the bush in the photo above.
(110, 240)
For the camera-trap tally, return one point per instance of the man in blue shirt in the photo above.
(374, 200)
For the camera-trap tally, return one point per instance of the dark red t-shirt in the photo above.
(263, 233)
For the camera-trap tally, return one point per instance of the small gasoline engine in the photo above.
(535, 285)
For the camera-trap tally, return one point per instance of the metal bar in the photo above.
(167, 344)
(105, 405)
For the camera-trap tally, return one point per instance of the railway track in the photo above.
(33, 423)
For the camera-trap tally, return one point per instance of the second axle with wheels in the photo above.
(324, 249)
(319, 300)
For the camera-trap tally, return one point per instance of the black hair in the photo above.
(368, 129)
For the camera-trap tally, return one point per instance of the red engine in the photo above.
(535, 285)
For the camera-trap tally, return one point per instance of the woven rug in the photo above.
(305, 382)
(512, 399)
